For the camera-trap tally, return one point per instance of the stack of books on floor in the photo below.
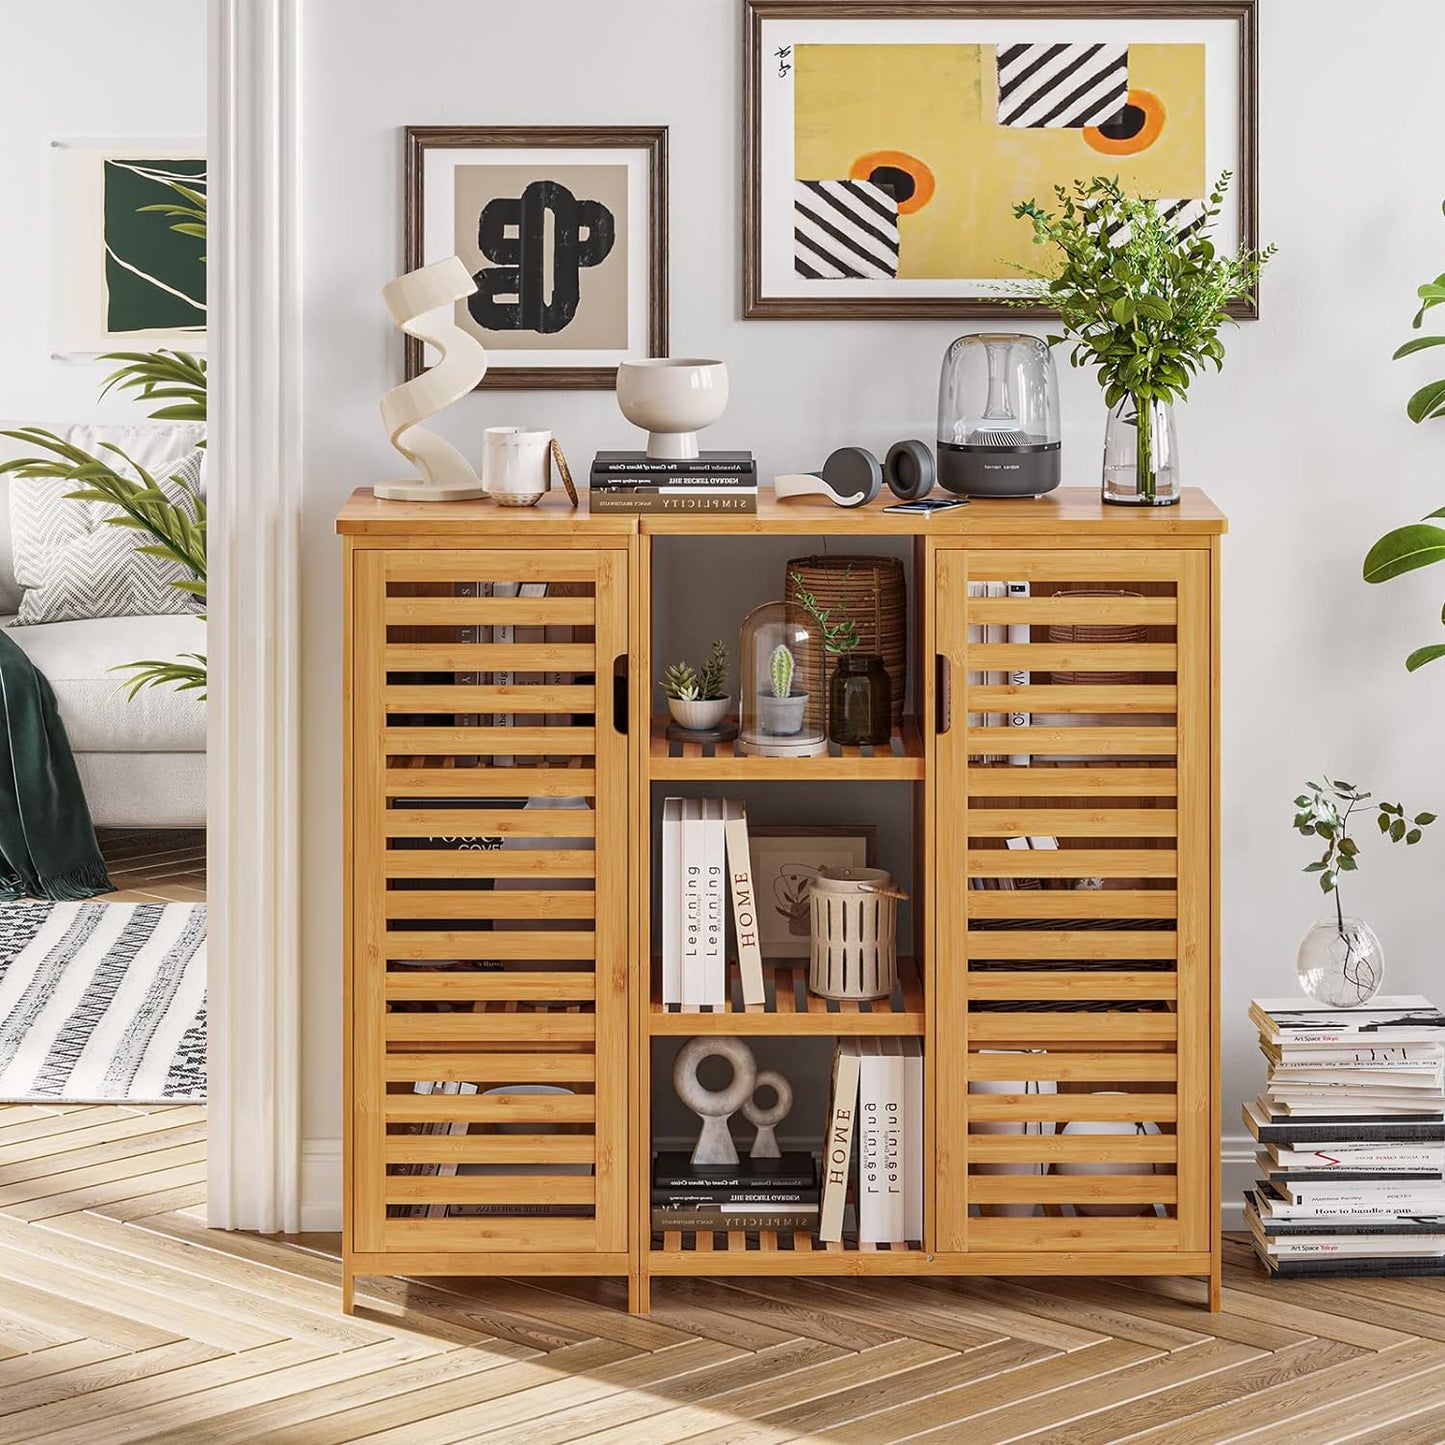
(748, 1196)
(709, 482)
(873, 1147)
(1351, 1129)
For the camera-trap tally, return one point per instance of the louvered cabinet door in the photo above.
(488, 944)
(1074, 972)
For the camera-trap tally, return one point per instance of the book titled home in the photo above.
(744, 900)
(838, 1139)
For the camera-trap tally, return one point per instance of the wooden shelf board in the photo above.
(801, 1012)
(673, 761)
(777, 1252)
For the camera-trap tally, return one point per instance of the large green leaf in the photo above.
(1428, 402)
(1404, 550)
(1422, 655)
(1419, 343)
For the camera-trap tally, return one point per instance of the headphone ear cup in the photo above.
(908, 469)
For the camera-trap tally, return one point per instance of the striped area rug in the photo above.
(102, 1002)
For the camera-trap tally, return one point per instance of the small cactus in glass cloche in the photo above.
(781, 666)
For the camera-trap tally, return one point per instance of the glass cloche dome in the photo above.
(998, 417)
(779, 648)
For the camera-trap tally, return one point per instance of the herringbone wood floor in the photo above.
(122, 1318)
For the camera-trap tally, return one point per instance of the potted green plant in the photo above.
(860, 695)
(1341, 962)
(698, 698)
(780, 709)
(1421, 544)
(1144, 302)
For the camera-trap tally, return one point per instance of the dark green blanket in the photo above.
(47, 843)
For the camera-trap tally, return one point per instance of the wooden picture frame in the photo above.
(433, 229)
(775, 280)
(854, 845)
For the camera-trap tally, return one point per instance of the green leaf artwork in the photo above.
(154, 221)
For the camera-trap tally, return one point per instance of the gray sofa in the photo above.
(142, 761)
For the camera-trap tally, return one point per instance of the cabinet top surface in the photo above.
(1069, 510)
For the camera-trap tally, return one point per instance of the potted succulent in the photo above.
(1143, 301)
(780, 709)
(860, 695)
(698, 698)
(1341, 962)
(1421, 544)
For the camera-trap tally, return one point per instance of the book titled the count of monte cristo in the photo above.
(625, 466)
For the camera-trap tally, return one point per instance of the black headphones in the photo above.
(852, 476)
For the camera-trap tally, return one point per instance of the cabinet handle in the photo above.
(942, 694)
(620, 694)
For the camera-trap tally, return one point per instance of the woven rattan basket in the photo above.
(873, 592)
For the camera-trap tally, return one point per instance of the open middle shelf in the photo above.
(792, 1009)
(901, 759)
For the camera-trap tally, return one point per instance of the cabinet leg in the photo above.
(639, 1294)
(1216, 1285)
(348, 1291)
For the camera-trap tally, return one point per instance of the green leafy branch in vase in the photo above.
(1324, 811)
(1139, 300)
(172, 384)
(1421, 544)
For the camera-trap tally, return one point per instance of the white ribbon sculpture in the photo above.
(421, 304)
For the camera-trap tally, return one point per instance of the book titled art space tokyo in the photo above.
(1401, 1020)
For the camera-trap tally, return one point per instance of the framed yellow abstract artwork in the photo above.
(888, 143)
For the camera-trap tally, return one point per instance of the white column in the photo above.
(254, 497)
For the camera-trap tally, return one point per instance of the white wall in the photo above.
(1302, 441)
(81, 69)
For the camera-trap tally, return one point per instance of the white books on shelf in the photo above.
(714, 900)
(694, 863)
(838, 1139)
(745, 903)
(1018, 635)
(912, 1052)
(880, 1143)
(672, 900)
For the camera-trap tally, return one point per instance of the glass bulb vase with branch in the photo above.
(1341, 963)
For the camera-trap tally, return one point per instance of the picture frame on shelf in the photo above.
(784, 860)
(886, 143)
(565, 315)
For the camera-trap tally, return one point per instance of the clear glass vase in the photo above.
(1141, 454)
(1341, 963)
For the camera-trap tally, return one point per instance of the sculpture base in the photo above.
(419, 491)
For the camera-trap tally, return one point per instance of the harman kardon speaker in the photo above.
(998, 417)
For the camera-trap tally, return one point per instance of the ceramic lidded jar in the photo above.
(516, 465)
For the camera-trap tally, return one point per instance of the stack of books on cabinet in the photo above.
(1351, 1129)
(751, 1195)
(712, 481)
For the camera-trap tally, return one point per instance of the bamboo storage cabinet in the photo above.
(503, 775)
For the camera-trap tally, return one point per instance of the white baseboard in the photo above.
(1237, 1174)
(321, 1185)
(321, 1179)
